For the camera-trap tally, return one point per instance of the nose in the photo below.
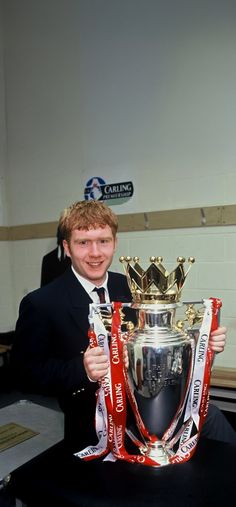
(94, 249)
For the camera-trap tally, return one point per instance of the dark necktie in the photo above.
(105, 311)
(101, 294)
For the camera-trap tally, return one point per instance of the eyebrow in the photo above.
(90, 239)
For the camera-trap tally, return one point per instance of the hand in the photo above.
(217, 339)
(95, 363)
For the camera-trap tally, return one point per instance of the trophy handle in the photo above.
(194, 318)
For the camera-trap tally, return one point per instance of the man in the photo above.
(51, 353)
(55, 262)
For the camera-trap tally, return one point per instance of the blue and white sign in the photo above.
(112, 193)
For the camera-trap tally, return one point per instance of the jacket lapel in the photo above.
(79, 301)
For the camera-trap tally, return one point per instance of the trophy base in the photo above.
(158, 452)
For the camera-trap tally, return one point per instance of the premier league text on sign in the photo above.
(97, 189)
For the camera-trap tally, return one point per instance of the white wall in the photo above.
(6, 288)
(212, 275)
(143, 89)
(140, 90)
(3, 140)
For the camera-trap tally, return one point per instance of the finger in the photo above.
(97, 371)
(217, 341)
(217, 338)
(219, 331)
(94, 351)
(93, 361)
(217, 350)
(217, 346)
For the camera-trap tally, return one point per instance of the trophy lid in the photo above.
(156, 284)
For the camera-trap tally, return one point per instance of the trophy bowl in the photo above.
(158, 376)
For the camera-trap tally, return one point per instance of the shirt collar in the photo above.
(87, 285)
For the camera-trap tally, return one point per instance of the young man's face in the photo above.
(91, 252)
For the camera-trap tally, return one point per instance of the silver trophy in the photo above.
(161, 355)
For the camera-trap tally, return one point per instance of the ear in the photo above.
(115, 243)
(66, 248)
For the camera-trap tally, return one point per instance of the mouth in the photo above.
(95, 264)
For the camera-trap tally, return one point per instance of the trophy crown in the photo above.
(156, 284)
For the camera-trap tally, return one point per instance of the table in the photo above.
(57, 477)
(48, 423)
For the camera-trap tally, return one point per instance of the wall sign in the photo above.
(112, 193)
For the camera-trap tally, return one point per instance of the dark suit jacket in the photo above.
(52, 267)
(47, 356)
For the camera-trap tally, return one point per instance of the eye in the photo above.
(83, 242)
(105, 240)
